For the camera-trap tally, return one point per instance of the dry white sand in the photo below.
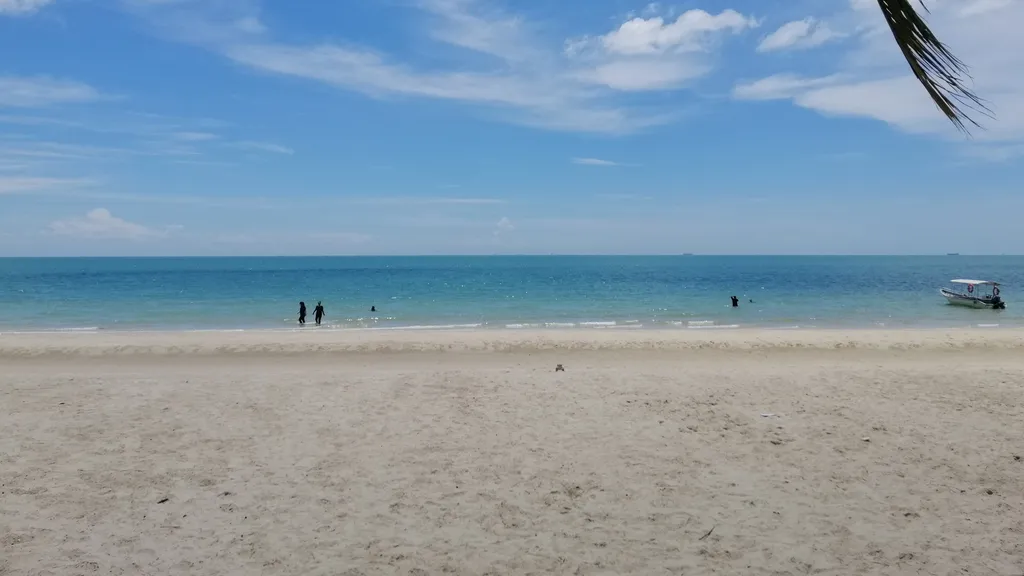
(466, 453)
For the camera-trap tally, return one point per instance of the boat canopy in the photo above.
(975, 282)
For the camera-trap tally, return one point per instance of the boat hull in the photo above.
(970, 301)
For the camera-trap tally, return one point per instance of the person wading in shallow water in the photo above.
(318, 312)
(302, 313)
(735, 302)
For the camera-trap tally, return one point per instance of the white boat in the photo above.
(974, 297)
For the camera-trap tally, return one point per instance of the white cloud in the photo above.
(806, 33)
(651, 54)
(503, 226)
(40, 91)
(639, 75)
(873, 81)
(780, 87)
(594, 162)
(520, 79)
(690, 32)
(101, 224)
(22, 7)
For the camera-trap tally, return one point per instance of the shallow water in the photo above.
(599, 292)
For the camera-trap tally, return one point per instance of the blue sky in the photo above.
(221, 127)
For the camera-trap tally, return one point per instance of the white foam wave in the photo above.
(429, 327)
(73, 329)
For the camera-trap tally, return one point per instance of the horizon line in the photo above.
(513, 255)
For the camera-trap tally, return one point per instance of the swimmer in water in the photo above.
(318, 312)
(735, 302)
(373, 308)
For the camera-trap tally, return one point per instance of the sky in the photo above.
(337, 127)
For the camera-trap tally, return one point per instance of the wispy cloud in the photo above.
(594, 162)
(22, 7)
(781, 87)
(101, 224)
(41, 91)
(195, 136)
(421, 201)
(871, 79)
(35, 184)
(261, 147)
(798, 34)
(526, 80)
(47, 150)
(25, 120)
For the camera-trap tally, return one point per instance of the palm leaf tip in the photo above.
(942, 74)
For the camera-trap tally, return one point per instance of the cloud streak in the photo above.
(10, 185)
(525, 79)
(594, 162)
(42, 91)
(798, 34)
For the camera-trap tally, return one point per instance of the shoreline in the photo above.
(305, 341)
(696, 325)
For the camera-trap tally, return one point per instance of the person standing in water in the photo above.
(302, 313)
(318, 312)
(735, 302)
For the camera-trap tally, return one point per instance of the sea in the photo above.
(500, 292)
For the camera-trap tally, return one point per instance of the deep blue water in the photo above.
(499, 292)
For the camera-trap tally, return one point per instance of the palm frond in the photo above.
(941, 73)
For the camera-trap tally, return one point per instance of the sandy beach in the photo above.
(420, 453)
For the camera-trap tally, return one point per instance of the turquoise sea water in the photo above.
(683, 292)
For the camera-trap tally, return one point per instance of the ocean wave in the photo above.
(427, 327)
(267, 343)
(68, 330)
